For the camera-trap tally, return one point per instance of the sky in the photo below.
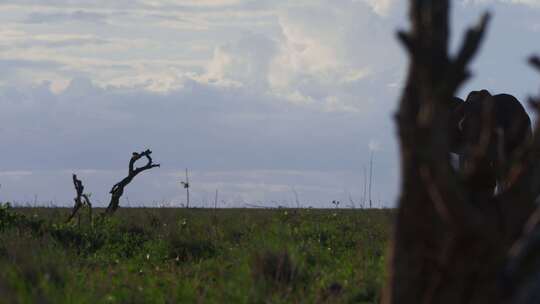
(269, 102)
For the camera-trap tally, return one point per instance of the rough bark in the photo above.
(448, 246)
(118, 189)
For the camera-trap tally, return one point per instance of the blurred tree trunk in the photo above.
(446, 248)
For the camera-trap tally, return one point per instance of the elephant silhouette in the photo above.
(486, 131)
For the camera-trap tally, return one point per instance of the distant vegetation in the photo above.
(193, 256)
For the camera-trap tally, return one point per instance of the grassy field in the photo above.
(193, 256)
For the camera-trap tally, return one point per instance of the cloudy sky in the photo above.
(258, 98)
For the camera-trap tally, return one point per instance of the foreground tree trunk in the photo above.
(448, 246)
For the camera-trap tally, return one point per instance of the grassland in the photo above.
(193, 256)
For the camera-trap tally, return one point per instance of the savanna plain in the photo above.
(165, 255)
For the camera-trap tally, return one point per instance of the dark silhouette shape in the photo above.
(118, 189)
(445, 248)
(456, 114)
(486, 131)
(81, 199)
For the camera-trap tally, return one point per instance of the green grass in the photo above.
(193, 256)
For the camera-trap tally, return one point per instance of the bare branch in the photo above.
(407, 42)
(81, 199)
(118, 189)
(472, 42)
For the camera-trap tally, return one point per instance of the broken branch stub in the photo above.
(118, 189)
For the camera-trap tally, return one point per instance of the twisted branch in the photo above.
(118, 189)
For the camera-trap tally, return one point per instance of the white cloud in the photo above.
(295, 51)
(356, 75)
(381, 7)
(528, 2)
(533, 3)
(15, 174)
(203, 3)
(374, 145)
(246, 62)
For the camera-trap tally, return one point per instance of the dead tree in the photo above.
(118, 189)
(80, 200)
(186, 186)
(449, 246)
